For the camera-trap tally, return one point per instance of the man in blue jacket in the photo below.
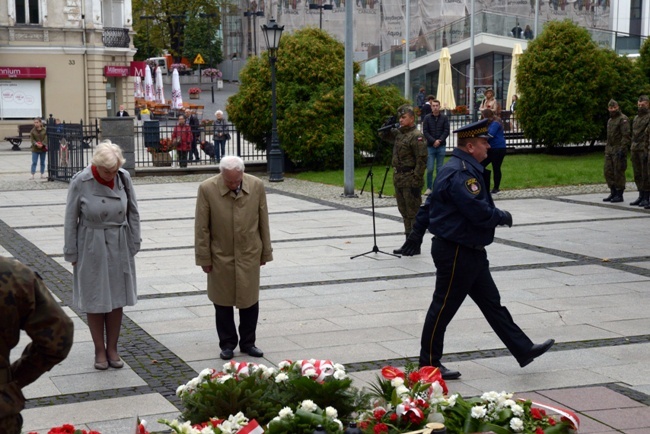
(461, 215)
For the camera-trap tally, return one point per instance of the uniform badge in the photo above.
(473, 186)
(420, 139)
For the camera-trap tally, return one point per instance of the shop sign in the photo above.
(22, 72)
(116, 71)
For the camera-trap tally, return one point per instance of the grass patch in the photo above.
(519, 171)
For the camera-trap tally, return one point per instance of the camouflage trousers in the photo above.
(615, 167)
(640, 167)
(409, 200)
(11, 424)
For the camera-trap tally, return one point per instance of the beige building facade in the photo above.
(65, 58)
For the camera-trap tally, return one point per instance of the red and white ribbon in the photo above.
(322, 368)
(241, 368)
(407, 407)
(251, 428)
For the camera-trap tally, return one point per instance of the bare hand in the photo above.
(262, 263)
(436, 143)
(207, 268)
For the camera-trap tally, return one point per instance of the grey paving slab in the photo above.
(377, 334)
(127, 425)
(340, 354)
(104, 380)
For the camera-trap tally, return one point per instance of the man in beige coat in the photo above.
(232, 242)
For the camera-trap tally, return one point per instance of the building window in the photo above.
(27, 12)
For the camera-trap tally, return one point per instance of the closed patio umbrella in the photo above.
(160, 91)
(177, 97)
(445, 89)
(512, 87)
(137, 87)
(148, 85)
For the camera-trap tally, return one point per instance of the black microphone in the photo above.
(388, 127)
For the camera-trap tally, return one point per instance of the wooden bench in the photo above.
(23, 133)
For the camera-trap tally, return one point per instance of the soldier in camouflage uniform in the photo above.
(639, 151)
(618, 143)
(25, 303)
(409, 162)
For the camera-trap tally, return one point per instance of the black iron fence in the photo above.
(513, 133)
(154, 146)
(70, 147)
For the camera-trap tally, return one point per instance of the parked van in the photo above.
(161, 62)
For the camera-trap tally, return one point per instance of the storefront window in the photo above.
(27, 12)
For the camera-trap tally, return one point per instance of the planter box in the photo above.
(161, 159)
(194, 96)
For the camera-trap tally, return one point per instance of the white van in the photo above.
(161, 62)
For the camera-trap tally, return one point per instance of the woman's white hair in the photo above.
(231, 162)
(108, 155)
(218, 112)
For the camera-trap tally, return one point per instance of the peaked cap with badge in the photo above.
(404, 109)
(475, 129)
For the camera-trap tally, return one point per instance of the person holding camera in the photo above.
(461, 215)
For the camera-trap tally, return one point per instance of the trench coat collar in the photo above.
(224, 190)
(98, 189)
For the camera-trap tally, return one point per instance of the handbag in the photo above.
(227, 136)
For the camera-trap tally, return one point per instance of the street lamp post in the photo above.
(147, 18)
(272, 34)
(254, 14)
(176, 37)
(313, 6)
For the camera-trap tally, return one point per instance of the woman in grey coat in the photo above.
(102, 236)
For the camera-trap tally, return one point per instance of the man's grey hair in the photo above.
(231, 162)
(108, 155)
(218, 112)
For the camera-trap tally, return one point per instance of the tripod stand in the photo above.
(370, 176)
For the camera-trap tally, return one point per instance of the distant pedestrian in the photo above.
(528, 33)
(193, 121)
(102, 237)
(461, 215)
(497, 151)
(121, 113)
(221, 135)
(38, 137)
(436, 131)
(426, 108)
(618, 144)
(420, 99)
(489, 102)
(232, 241)
(182, 139)
(516, 31)
(639, 151)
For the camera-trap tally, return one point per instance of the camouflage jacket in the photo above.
(25, 303)
(640, 132)
(409, 156)
(618, 134)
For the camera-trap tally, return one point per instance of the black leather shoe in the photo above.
(536, 351)
(227, 354)
(253, 352)
(448, 374)
(400, 252)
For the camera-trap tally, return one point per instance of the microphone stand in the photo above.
(370, 176)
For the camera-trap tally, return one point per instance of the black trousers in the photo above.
(463, 271)
(495, 156)
(225, 319)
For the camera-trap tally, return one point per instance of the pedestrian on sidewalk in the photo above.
(102, 237)
(232, 241)
(497, 151)
(461, 214)
(639, 151)
(220, 135)
(38, 137)
(436, 131)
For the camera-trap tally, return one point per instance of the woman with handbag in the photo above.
(38, 137)
(497, 151)
(182, 138)
(102, 237)
(221, 135)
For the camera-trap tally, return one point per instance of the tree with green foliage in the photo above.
(200, 38)
(565, 81)
(310, 101)
(167, 28)
(644, 59)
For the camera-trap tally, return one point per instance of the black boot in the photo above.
(618, 197)
(644, 199)
(638, 199)
(612, 193)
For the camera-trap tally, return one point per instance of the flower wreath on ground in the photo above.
(269, 393)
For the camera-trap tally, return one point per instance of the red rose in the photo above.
(379, 413)
(393, 417)
(363, 424)
(538, 430)
(551, 421)
(536, 414)
(381, 427)
(414, 377)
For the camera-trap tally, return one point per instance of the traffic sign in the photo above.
(198, 60)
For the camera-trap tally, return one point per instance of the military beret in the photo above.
(644, 98)
(612, 103)
(476, 129)
(403, 109)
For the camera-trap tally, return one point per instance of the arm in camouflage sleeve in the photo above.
(419, 146)
(51, 331)
(626, 135)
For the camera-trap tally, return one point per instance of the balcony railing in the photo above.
(116, 37)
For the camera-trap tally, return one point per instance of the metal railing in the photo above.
(513, 133)
(153, 141)
(116, 37)
(70, 148)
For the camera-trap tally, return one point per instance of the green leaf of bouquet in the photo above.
(471, 424)
(559, 428)
(497, 429)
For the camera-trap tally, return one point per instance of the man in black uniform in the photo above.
(461, 214)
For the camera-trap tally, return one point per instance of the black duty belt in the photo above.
(469, 246)
(404, 169)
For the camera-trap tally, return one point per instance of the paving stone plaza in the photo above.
(571, 268)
